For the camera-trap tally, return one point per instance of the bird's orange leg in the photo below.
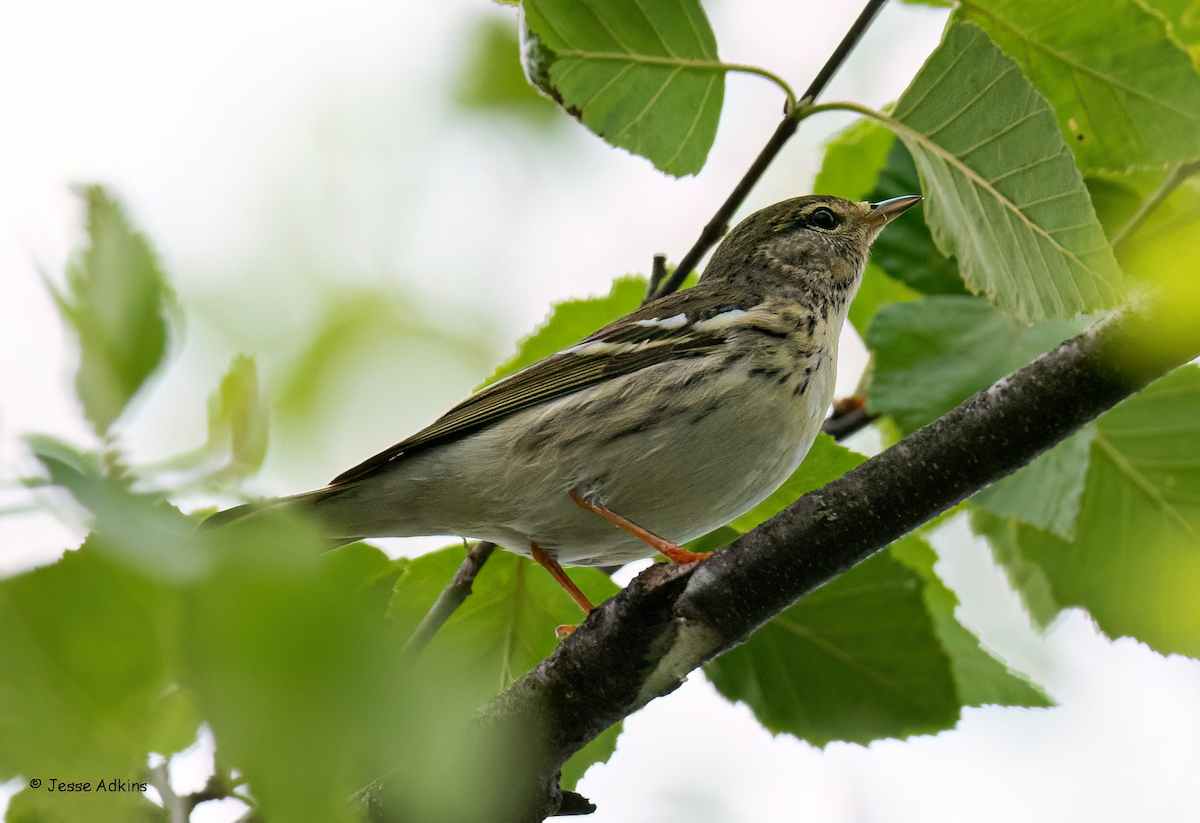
(676, 554)
(556, 571)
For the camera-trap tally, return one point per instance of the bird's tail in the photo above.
(307, 504)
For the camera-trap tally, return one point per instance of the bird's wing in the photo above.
(657, 333)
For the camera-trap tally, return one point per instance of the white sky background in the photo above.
(269, 147)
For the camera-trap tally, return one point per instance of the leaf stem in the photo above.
(684, 63)
(1172, 181)
(719, 224)
(774, 78)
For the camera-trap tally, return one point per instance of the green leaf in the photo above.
(418, 585)
(906, 251)
(856, 660)
(1004, 196)
(238, 431)
(1135, 561)
(238, 415)
(599, 750)
(1114, 199)
(301, 680)
(878, 289)
(1139, 531)
(42, 806)
(1125, 95)
(1183, 24)
(117, 301)
(854, 157)
(140, 531)
(86, 683)
(825, 461)
(933, 354)
(287, 651)
(506, 626)
(981, 679)
(1045, 493)
(1009, 538)
(492, 80)
(645, 77)
(571, 321)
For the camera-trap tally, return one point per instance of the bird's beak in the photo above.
(885, 211)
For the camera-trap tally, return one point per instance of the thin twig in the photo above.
(1177, 175)
(719, 224)
(451, 598)
(850, 415)
(658, 270)
(176, 806)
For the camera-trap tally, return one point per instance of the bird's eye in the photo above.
(823, 218)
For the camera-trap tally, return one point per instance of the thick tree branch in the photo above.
(642, 643)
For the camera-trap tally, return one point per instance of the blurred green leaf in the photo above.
(42, 806)
(856, 660)
(238, 430)
(1004, 197)
(854, 157)
(718, 538)
(1162, 252)
(1045, 493)
(87, 649)
(492, 80)
(117, 301)
(1160, 244)
(1122, 102)
(238, 416)
(1135, 561)
(287, 652)
(358, 323)
(933, 354)
(981, 679)
(140, 531)
(906, 251)
(571, 321)
(646, 78)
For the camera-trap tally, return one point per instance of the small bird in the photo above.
(655, 430)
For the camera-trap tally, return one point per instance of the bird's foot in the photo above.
(681, 556)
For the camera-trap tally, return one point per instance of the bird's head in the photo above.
(817, 243)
